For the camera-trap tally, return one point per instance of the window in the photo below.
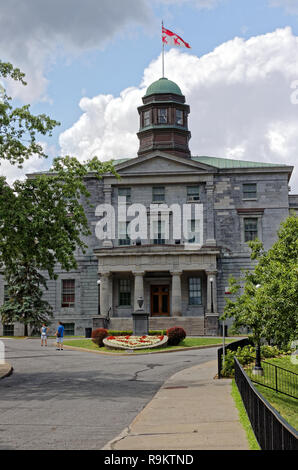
(123, 233)
(6, 295)
(147, 118)
(162, 116)
(124, 292)
(125, 192)
(159, 232)
(179, 117)
(250, 229)
(194, 290)
(193, 193)
(8, 330)
(69, 329)
(249, 191)
(158, 194)
(68, 293)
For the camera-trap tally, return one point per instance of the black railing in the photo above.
(271, 430)
(231, 347)
(277, 378)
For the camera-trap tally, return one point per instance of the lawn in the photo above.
(286, 406)
(186, 343)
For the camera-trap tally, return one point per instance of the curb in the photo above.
(7, 372)
(104, 353)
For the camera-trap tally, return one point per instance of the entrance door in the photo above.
(160, 302)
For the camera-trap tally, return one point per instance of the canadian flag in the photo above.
(172, 39)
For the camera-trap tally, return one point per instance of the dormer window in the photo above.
(179, 117)
(146, 118)
(162, 116)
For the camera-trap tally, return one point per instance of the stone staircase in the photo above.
(194, 326)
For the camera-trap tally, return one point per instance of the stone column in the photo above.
(138, 289)
(176, 294)
(210, 236)
(104, 293)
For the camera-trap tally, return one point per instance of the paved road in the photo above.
(78, 400)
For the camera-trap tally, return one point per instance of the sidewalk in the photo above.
(190, 411)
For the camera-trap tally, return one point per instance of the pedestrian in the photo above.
(44, 334)
(59, 336)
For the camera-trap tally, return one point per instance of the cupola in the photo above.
(164, 120)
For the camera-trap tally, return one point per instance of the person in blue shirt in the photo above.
(59, 335)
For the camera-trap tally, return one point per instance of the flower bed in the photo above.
(135, 342)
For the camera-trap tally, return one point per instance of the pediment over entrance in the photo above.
(160, 162)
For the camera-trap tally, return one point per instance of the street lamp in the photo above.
(211, 284)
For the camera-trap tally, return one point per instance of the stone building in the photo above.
(183, 280)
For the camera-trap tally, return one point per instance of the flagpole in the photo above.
(163, 51)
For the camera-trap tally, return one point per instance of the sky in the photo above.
(88, 64)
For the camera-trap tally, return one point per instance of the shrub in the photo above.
(246, 356)
(175, 335)
(98, 335)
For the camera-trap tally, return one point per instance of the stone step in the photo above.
(194, 326)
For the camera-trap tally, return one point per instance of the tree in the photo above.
(18, 127)
(268, 304)
(42, 221)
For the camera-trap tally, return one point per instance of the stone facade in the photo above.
(181, 283)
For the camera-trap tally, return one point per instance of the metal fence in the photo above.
(271, 430)
(276, 378)
(231, 347)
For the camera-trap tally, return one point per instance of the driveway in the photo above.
(78, 400)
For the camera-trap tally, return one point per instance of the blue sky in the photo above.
(70, 53)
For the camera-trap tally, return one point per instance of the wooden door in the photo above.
(160, 301)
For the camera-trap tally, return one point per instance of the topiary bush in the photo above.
(98, 336)
(175, 335)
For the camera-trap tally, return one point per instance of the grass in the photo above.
(186, 343)
(243, 418)
(286, 406)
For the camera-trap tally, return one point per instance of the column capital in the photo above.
(105, 273)
(176, 272)
(138, 273)
(211, 273)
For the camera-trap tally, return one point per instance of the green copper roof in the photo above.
(230, 163)
(221, 162)
(163, 86)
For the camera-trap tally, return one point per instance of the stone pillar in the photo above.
(138, 289)
(210, 236)
(176, 294)
(104, 293)
(107, 191)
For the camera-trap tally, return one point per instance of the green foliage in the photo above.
(245, 356)
(268, 304)
(18, 127)
(25, 304)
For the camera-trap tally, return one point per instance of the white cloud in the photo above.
(34, 32)
(201, 4)
(239, 96)
(33, 165)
